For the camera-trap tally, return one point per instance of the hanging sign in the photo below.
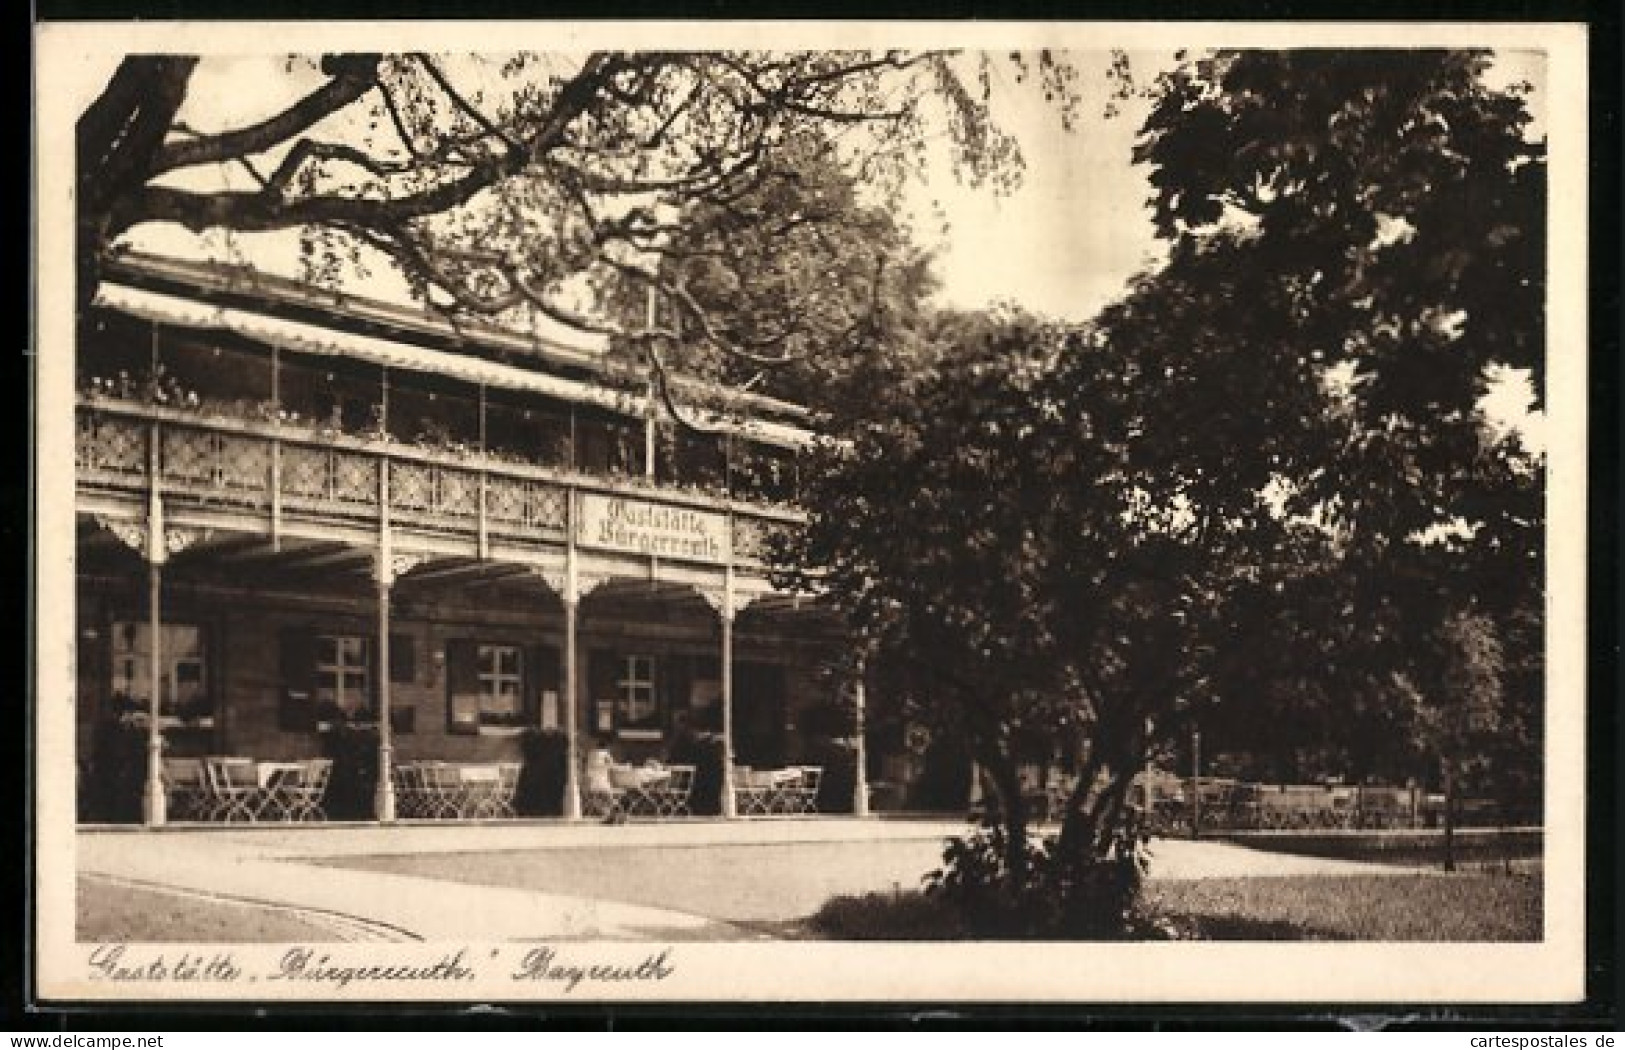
(634, 526)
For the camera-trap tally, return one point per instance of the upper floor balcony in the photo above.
(277, 475)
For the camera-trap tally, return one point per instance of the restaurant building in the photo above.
(302, 516)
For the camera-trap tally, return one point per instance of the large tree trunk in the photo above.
(1012, 808)
(1093, 818)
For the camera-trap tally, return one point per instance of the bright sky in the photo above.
(1063, 245)
(1066, 243)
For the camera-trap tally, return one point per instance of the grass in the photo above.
(1474, 850)
(1462, 907)
(111, 911)
(1466, 907)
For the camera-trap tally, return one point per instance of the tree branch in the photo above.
(352, 77)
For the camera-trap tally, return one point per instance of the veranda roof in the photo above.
(303, 337)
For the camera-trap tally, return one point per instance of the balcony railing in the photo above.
(275, 469)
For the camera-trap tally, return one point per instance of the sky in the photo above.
(1069, 239)
(1064, 244)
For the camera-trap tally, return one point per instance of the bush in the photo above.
(1062, 895)
(705, 798)
(840, 777)
(353, 786)
(111, 782)
(945, 779)
(542, 774)
(907, 915)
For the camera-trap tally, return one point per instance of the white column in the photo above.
(154, 801)
(384, 798)
(572, 747)
(727, 614)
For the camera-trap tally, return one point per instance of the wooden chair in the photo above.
(672, 796)
(481, 786)
(802, 797)
(184, 787)
(443, 790)
(508, 787)
(754, 791)
(234, 789)
(305, 795)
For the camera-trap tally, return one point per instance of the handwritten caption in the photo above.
(544, 967)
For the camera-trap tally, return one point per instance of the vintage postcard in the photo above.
(998, 512)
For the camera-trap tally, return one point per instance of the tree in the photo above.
(517, 182)
(1280, 427)
(1364, 232)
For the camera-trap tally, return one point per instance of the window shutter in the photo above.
(369, 646)
(542, 673)
(403, 658)
(462, 687)
(296, 712)
(603, 668)
(674, 684)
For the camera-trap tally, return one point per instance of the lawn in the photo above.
(1467, 907)
(112, 911)
(1463, 907)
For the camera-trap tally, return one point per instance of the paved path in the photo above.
(690, 880)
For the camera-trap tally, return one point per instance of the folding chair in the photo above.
(753, 792)
(234, 787)
(805, 793)
(507, 788)
(672, 799)
(305, 795)
(185, 789)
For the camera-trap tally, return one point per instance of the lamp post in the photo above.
(1196, 780)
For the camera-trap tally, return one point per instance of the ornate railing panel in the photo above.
(107, 445)
(216, 466)
(519, 504)
(436, 493)
(247, 464)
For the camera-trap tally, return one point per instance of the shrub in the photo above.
(354, 780)
(1063, 895)
(840, 777)
(705, 798)
(111, 782)
(545, 756)
(907, 915)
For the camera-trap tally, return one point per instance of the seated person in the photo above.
(596, 769)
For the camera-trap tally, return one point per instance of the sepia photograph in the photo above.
(1051, 512)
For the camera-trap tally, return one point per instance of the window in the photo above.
(635, 692)
(341, 679)
(501, 676)
(182, 682)
(486, 687)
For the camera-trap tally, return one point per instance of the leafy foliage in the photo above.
(1055, 894)
(1254, 484)
(557, 186)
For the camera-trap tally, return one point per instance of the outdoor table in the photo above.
(760, 792)
(283, 791)
(486, 791)
(641, 788)
(235, 791)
